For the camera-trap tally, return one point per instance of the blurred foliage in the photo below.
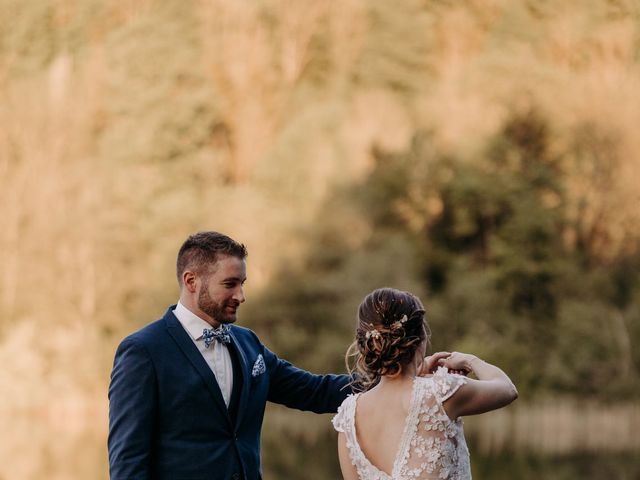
(488, 258)
(483, 242)
(482, 155)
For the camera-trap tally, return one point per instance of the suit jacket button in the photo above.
(235, 476)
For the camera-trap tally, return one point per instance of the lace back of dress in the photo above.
(436, 449)
(432, 446)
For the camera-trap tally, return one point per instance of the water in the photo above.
(40, 446)
(565, 467)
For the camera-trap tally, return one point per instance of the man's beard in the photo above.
(216, 310)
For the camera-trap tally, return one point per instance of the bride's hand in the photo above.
(432, 362)
(459, 363)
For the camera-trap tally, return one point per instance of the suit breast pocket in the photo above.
(259, 380)
(259, 386)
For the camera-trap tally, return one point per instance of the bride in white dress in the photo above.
(406, 423)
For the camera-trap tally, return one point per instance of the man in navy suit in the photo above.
(188, 391)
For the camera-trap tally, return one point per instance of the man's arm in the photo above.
(296, 388)
(132, 408)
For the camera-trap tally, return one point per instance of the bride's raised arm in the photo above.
(493, 389)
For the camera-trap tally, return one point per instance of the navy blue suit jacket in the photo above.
(167, 417)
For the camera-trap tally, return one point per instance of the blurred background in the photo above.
(482, 154)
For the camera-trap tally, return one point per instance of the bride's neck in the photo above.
(408, 374)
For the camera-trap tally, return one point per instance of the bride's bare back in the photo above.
(380, 421)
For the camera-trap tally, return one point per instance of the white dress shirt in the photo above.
(217, 355)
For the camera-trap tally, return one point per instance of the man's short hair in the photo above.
(202, 250)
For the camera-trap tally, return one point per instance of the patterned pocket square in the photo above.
(258, 367)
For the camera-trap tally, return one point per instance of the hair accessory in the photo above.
(398, 323)
(372, 333)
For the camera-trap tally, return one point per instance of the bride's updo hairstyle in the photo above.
(390, 328)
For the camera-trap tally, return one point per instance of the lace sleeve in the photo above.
(446, 384)
(342, 420)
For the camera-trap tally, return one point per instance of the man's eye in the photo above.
(229, 285)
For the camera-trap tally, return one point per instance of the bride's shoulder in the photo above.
(344, 418)
(444, 384)
(424, 385)
(349, 402)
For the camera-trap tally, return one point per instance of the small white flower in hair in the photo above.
(398, 323)
(372, 333)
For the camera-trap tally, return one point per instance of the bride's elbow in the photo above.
(512, 393)
(508, 393)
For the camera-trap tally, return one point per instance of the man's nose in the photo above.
(239, 295)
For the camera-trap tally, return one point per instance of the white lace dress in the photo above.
(432, 446)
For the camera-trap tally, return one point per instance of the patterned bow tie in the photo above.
(221, 334)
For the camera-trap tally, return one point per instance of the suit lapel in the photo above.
(244, 370)
(184, 341)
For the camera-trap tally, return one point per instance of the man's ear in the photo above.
(190, 281)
